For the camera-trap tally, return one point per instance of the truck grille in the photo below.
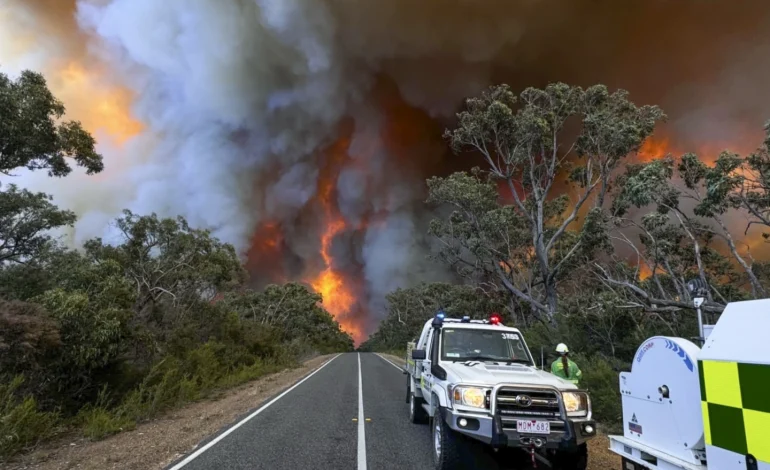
(541, 404)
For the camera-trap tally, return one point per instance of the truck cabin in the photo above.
(452, 340)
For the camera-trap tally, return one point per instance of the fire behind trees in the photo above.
(576, 242)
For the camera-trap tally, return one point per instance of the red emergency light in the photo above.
(495, 319)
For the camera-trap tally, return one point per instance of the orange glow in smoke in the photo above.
(266, 249)
(653, 148)
(644, 271)
(338, 298)
(99, 106)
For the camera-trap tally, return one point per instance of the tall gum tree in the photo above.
(689, 231)
(529, 144)
(33, 136)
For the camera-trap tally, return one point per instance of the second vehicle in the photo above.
(476, 379)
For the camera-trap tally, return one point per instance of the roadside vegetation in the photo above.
(562, 229)
(115, 333)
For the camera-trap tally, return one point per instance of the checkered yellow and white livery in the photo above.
(736, 408)
(734, 370)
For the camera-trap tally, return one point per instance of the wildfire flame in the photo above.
(653, 148)
(338, 298)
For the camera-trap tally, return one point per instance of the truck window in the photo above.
(465, 344)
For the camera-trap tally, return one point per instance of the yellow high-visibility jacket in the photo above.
(575, 374)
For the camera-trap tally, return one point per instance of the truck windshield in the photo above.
(465, 344)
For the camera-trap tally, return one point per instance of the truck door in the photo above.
(426, 378)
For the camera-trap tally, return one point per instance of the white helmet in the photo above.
(562, 348)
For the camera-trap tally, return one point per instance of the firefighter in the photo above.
(564, 367)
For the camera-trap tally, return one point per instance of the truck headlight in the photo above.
(470, 396)
(575, 403)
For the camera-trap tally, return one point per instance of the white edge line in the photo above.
(389, 362)
(214, 441)
(361, 429)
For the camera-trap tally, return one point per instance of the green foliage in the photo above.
(169, 264)
(31, 135)
(118, 334)
(91, 332)
(603, 383)
(98, 423)
(29, 339)
(22, 425)
(676, 244)
(294, 312)
(25, 219)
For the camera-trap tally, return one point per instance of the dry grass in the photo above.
(155, 444)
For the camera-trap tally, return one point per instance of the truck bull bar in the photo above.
(500, 438)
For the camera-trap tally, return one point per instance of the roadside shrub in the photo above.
(98, 423)
(602, 380)
(209, 367)
(22, 425)
(29, 343)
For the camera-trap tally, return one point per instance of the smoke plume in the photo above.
(272, 122)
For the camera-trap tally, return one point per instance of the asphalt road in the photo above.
(348, 414)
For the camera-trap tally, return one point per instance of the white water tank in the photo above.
(661, 399)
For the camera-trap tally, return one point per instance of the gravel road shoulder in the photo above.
(599, 455)
(155, 444)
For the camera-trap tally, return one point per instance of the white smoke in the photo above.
(238, 95)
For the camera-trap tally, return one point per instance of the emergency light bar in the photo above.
(440, 318)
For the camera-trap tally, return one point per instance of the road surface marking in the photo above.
(388, 361)
(361, 431)
(203, 449)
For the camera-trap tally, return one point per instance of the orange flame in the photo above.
(653, 148)
(338, 298)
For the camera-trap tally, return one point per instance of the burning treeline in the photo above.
(303, 134)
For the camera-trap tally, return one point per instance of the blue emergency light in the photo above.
(438, 320)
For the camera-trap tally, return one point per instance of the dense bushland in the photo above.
(111, 334)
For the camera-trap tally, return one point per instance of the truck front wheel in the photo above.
(571, 460)
(447, 445)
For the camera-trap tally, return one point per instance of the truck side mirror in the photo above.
(418, 354)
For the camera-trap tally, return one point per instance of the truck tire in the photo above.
(571, 460)
(417, 414)
(447, 445)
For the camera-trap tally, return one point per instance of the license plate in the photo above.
(533, 426)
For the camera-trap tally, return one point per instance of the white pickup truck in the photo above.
(477, 378)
